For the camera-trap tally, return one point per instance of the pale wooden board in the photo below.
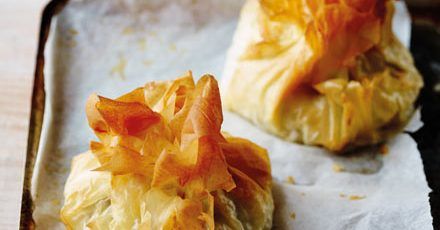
(19, 23)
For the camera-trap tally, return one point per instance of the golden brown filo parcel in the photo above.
(319, 72)
(161, 162)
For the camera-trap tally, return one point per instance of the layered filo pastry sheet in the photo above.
(161, 162)
(319, 72)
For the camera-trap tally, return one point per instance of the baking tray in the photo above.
(430, 109)
(37, 112)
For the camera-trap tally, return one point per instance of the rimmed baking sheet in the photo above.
(111, 47)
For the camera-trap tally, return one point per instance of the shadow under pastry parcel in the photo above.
(161, 162)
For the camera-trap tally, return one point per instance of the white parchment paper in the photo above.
(112, 46)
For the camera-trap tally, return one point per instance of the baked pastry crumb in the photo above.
(355, 197)
(290, 180)
(338, 168)
(292, 215)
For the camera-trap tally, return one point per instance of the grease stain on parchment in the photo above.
(119, 68)
(142, 43)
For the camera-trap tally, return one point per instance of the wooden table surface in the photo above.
(19, 23)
